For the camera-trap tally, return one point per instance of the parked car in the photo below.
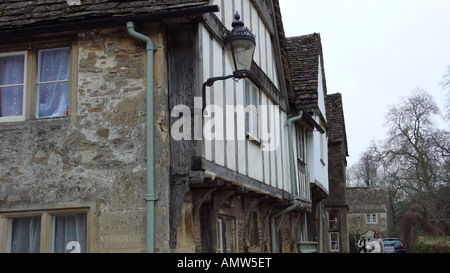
(393, 245)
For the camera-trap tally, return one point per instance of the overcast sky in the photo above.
(375, 52)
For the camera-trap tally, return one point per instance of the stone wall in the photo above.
(97, 156)
(363, 201)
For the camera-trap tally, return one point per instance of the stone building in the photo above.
(369, 211)
(73, 145)
(77, 172)
(336, 239)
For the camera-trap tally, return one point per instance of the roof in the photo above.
(21, 14)
(303, 53)
(283, 47)
(367, 198)
(336, 120)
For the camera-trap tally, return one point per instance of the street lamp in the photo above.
(240, 46)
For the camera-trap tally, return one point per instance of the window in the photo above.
(47, 231)
(12, 86)
(323, 144)
(53, 83)
(69, 233)
(252, 111)
(300, 144)
(333, 220)
(25, 235)
(334, 241)
(36, 83)
(225, 232)
(371, 218)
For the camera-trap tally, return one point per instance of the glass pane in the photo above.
(53, 64)
(243, 54)
(11, 101)
(333, 220)
(25, 235)
(12, 70)
(53, 99)
(255, 127)
(247, 103)
(334, 238)
(69, 233)
(227, 237)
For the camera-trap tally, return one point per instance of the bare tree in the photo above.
(416, 153)
(446, 85)
(413, 162)
(366, 172)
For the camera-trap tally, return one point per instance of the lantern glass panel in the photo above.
(240, 53)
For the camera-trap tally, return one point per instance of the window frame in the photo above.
(39, 81)
(24, 86)
(53, 229)
(223, 220)
(250, 91)
(333, 224)
(337, 241)
(301, 144)
(323, 145)
(371, 218)
(47, 232)
(31, 45)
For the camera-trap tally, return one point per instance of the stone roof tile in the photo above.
(303, 53)
(336, 120)
(20, 14)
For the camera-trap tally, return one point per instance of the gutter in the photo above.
(310, 119)
(294, 196)
(150, 197)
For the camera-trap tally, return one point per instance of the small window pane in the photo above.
(25, 235)
(333, 220)
(69, 233)
(53, 99)
(247, 102)
(54, 64)
(12, 69)
(12, 77)
(11, 101)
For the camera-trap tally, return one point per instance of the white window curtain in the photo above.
(69, 233)
(12, 69)
(25, 235)
(53, 82)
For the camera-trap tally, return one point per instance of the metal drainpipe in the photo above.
(150, 197)
(294, 195)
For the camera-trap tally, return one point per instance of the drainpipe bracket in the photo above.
(151, 197)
